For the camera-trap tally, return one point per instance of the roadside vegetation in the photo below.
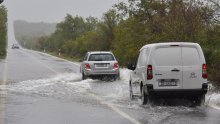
(3, 31)
(126, 27)
(28, 33)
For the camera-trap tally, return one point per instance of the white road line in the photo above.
(54, 57)
(115, 109)
(5, 76)
(212, 105)
(2, 99)
(43, 64)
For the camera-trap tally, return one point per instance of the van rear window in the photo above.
(101, 57)
(190, 56)
(170, 56)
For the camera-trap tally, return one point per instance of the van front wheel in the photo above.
(131, 91)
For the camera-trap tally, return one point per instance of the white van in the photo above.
(169, 69)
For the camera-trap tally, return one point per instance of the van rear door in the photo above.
(192, 68)
(167, 67)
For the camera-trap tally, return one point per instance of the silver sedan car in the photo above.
(100, 64)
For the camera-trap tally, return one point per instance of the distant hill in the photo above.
(28, 32)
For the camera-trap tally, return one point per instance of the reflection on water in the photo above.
(3, 92)
(2, 107)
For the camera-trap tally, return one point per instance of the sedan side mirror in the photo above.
(1, 1)
(131, 66)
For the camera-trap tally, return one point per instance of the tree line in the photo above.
(126, 27)
(28, 33)
(3, 31)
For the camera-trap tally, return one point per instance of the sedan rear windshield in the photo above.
(101, 57)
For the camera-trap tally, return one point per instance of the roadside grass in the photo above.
(63, 56)
(2, 56)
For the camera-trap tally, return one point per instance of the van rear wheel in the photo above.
(199, 100)
(144, 97)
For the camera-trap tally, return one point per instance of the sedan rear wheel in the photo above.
(84, 76)
(116, 77)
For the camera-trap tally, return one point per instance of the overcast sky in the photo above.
(55, 10)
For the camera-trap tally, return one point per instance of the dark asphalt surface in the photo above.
(39, 89)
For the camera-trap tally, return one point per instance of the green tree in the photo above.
(125, 28)
(3, 31)
(106, 29)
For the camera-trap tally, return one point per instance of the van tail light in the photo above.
(87, 66)
(116, 66)
(204, 71)
(149, 72)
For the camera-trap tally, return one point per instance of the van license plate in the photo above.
(167, 83)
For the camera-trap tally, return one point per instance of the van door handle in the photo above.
(176, 70)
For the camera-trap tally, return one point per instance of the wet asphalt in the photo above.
(37, 88)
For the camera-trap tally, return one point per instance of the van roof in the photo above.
(170, 43)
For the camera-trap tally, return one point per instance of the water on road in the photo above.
(37, 88)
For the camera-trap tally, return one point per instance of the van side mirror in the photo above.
(131, 66)
(1, 1)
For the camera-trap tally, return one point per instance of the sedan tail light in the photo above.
(116, 66)
(87, 66)
(204, 71)
(149, 72)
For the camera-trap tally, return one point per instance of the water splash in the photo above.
(59, 86)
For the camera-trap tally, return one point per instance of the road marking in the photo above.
(4, 93)
(43, 64)
(56, 57)
(115, 109)
(5, 76)
(212, 105)
(53, 57)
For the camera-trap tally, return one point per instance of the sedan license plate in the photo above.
(167, 83)
(104, 65)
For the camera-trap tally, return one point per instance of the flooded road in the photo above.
(37, 88)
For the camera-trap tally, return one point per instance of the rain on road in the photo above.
(37, 88)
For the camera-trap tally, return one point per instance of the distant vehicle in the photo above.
(15, 46)
(100, 64)
(169, 70)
